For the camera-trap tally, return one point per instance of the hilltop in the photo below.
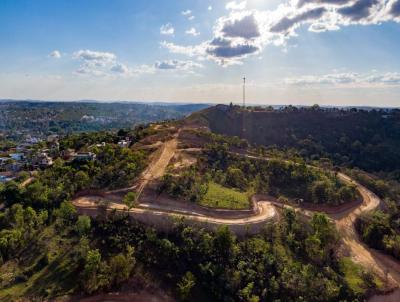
(368, 139)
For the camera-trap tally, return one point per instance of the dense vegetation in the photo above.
(277, 177)
(369, 140)
(284, 262)
(64, 253)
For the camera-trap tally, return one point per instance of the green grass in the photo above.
(221, 197)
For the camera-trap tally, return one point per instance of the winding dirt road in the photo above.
(385, 266)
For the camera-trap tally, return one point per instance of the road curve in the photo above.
(266, 212)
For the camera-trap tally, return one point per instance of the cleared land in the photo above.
(221, 197)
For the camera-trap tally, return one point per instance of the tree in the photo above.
(321, 191)
(186, 285)
(10, 193)
(122, 133)
(314, 249)
(66, 212)
(96, 273)
(130, 200)
(260, 186)
(122, 265)
(81, 180)
(347, 193)
(246, 295)
(37, 193)
(83, 225)
(235, 178)
(224, 244)
(283, 200)
(10, 240)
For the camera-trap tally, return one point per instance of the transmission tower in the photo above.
(244, 92)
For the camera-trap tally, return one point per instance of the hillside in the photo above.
(187, 214)
(369, 140)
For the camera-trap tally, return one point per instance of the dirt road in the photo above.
(157, 168)
(266, 212)
(385, 266)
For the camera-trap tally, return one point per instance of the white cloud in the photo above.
(55, 54)
(167, 29)
(190, 51)
(100, 64)
(177, 65)
(120, 69)
(193, 32)
(243, 33)
(94, 58)
(352, 79)
(85, 70)
(233, 5)
(188, 14)
(210, 7)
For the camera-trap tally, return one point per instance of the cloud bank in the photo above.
(347, 79)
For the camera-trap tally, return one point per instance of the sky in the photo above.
(300, 52)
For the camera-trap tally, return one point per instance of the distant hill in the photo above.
(43, 118)
(369, 139)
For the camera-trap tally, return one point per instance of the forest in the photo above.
(367, 139)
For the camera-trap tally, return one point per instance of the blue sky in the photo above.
(343, 52)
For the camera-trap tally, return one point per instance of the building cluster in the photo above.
(37, 154)
(28, 156)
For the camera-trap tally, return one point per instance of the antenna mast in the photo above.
(244, 92)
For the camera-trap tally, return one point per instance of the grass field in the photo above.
(224, 198)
